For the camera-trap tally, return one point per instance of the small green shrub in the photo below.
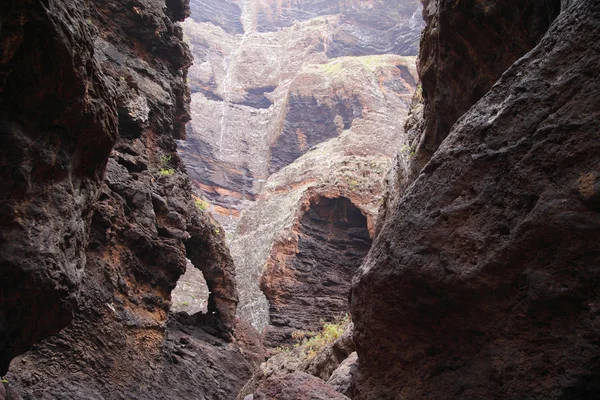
(201, 204)
(315, 344)
(419, 93)
(166, 171)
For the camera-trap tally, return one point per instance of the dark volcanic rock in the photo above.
(343, 377)
(58, 121)
(121, 245)
(320, 360)
(295, 386)
(483, 282)
(479, 39)
(307, 282)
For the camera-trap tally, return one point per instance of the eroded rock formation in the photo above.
(482, 282)
(110, 228)
(58, 122)
(261, 95)
(308, 281)
(306, 102)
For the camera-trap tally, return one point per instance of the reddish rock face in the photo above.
(307, 280)
(482, 282)
(295, 386)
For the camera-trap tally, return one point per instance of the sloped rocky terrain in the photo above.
(482, 281)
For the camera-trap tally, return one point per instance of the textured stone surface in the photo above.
(296, 386)
(283, 113)
(482, 282)
(343, 377)
(189, 364)
(497, 33)
(136, 229)
(318, 361)
(58, 122)
(309, 281)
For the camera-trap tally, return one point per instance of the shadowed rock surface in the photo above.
(58, 122)
(482, 282)
(479, 39)
(118, 242)
(311, 282)
(296, 386)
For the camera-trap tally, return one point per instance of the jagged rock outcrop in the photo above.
(342, 378)
(320, 356)
(295, 386)
(482, 282)
(102, 69)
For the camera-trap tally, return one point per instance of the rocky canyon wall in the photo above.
(291, 103)
(482, 281)
(97, 210)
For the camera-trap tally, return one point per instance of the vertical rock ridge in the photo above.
(482, 280)
(123, 220)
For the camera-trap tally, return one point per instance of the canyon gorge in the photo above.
(319, 199)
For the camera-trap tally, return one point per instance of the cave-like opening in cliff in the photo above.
(191, 293)
(311, 284)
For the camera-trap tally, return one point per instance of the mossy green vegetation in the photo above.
(309, 344)
(201, 204)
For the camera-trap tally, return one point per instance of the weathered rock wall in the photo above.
(122, 241)
(248, 118)
(303, 102)
(350, 165)
(482, 282)
(307, 282)
(58, 122)
(491, 36)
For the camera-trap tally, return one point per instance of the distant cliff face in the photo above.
(97, 206)
(482, 282)
(291, 103)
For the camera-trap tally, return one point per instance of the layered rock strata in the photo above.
(482, 282)
(308, 282)
(306, 103)
(252, 105)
